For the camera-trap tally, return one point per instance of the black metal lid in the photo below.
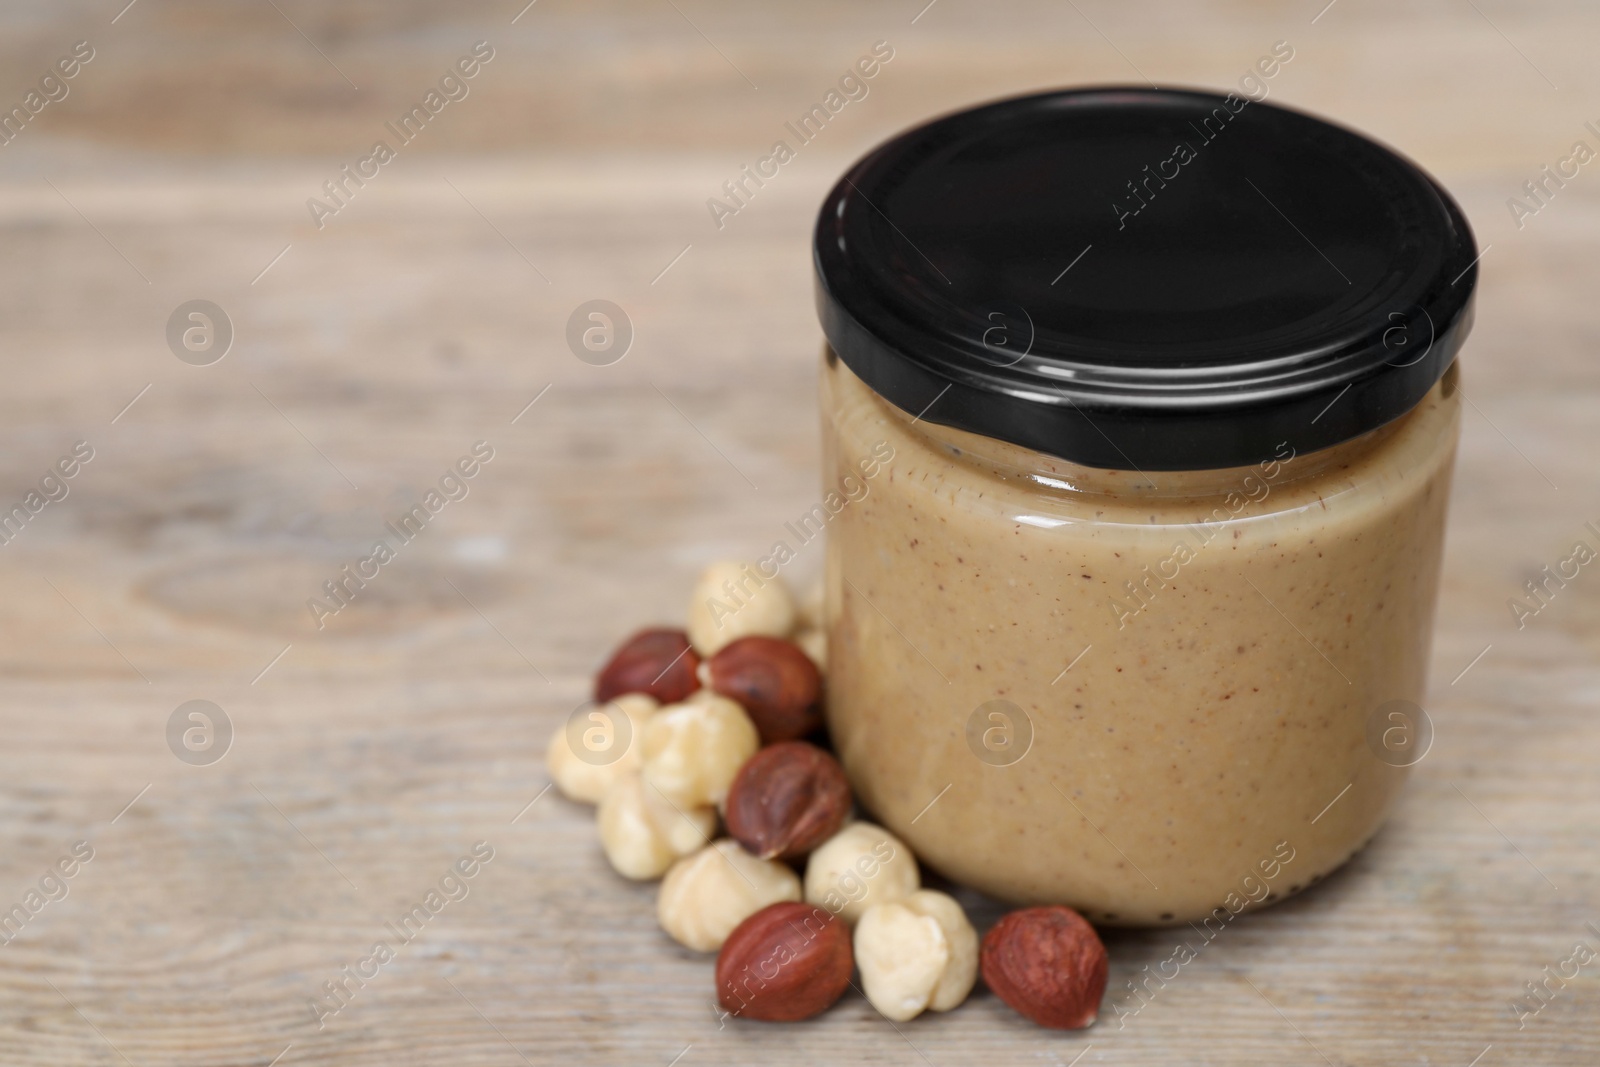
(1144, 279)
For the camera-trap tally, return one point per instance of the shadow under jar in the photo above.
(1139, 420)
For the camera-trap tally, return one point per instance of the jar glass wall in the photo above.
(1146, 695)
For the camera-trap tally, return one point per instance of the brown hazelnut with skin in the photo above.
(773, 680)
(659, 662)
(1048, 964)
(787, 962)
(786, 800)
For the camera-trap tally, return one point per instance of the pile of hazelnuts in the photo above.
(720, 725)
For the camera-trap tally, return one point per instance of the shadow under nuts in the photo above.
(785, 963)
(773, 680)
(786, 800)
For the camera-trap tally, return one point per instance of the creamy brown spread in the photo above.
(1228, 633)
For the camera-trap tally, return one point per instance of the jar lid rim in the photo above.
(1142, 278)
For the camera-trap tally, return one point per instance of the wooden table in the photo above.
(429, 312)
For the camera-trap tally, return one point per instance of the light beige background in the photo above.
(431, 310)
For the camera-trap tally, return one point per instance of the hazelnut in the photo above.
(706, 895)
(916, 954)
(733, 600)
(692, 751)
(858, 867)
(785, 963)
(643, 834)
(814, 643)
(773, 680)
(587, 775)
(786, 800)
(658, 662)
(1048, 964)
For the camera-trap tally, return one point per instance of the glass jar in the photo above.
(1131, 583)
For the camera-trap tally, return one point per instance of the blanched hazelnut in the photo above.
(608, 751)
(814, 643)
(692, 751)
(916, 954)
(858, 867)
(706, 895)
(643, 834)
(962, 971)
(733, 600)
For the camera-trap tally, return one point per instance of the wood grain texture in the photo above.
(430, 311)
